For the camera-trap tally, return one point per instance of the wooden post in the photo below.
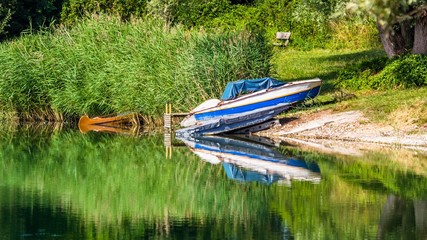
(168, 144)
(167, 117)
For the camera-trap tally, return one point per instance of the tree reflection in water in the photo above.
(403, 219)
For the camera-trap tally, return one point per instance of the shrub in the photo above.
(77, 10)
(403, 72)
(399, 73)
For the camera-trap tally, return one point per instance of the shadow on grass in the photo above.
(335, 64)
(354, 57)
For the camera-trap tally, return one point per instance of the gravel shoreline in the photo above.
(350, 126)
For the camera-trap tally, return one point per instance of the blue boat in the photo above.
(245, 103)
(250, 161)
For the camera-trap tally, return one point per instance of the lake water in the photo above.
(62, 184)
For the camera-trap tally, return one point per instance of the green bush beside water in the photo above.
(104, 65)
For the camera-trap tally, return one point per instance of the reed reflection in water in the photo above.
(69, 185)
(115, 184)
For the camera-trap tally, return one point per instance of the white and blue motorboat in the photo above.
(245, 103)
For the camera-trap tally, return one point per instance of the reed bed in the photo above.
(104, 65)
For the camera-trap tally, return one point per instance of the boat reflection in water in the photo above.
(248, 161)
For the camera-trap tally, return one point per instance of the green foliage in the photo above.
(357, 76)
(104, 65)
(188, 12)
(5, 15)
(309, 23)
(404, 72)
(291, 65)
(312, 24)
(27, 14)
(386, 11)
(399, 73)
(196, 13)
(353, 32)
(76, 10)
(326, 24)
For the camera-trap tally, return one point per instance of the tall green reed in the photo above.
(104, 65)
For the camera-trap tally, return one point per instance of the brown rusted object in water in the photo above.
(110, 129)
(116, 124)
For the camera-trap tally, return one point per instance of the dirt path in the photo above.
(350, 126)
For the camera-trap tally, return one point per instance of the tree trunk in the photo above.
(420, 218)
(407, 30)
(399, 213)
(420, 37)
(392, 39)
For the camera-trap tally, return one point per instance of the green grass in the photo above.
(290, 64)
(395, 107)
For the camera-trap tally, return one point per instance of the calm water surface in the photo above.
(69, 185)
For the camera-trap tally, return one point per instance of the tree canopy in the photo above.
(19, 15)
(313, 23)
(402, 24)
(391, 11)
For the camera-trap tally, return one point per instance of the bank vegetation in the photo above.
(108, 56)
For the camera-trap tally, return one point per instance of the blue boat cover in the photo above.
(234, 89)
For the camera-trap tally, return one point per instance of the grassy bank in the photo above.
(396, 107)
(103, 65)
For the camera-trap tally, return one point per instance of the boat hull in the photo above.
(233, 122)
(248, 110)
(294, 98)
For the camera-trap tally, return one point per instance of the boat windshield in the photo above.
(236, 88)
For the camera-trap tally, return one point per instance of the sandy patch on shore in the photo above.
(350, 126)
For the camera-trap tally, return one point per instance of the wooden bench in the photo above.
(283, 39)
